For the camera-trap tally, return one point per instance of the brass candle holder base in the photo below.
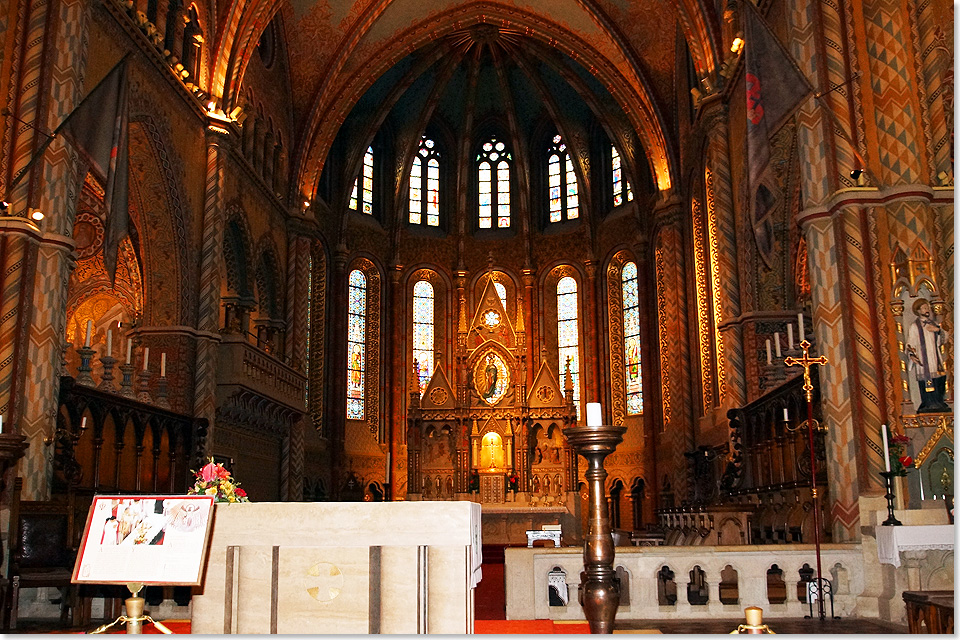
(599, 591)
(134, 617)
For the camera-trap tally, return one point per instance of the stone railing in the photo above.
(242, 364)
(732, 578)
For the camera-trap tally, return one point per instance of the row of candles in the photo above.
(146, 350)
(776, 339)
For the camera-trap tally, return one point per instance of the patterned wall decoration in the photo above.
(371, 405)
(704, 323)
(892, 78)
(615, 316)
(836, 399)
(318, 318)
(666, 396)
(716, 284)
(933, 47)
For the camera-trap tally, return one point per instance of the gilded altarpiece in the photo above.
(479, 432)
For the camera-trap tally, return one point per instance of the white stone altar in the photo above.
(340, 567)
(894, 539)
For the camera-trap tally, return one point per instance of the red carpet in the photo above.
(490, 598)
(528, 627)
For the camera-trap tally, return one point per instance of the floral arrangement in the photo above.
(214, 480)
(513, 481)
(900, 462)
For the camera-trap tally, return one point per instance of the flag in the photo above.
(98, 129)
(775, 88)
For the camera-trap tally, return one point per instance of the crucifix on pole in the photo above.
(806, 362)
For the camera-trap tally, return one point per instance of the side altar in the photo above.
(340, 567)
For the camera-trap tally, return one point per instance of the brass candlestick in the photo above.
(599, 593)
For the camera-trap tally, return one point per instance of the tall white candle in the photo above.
(83, 423)
(163, 364)
(886, 447)
(790, 335)
(776, 342)
(786, 415)
(129, 349)
(86, 340)
(146, 357)
(920, 478)
(594, 415)
(109, 342)
(800, 320)
(1, 423)
(769, 355)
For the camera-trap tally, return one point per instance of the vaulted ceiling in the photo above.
(339, 49)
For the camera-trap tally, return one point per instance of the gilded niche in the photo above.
(491, 377)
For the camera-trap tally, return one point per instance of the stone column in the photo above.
(211, 266)
(722, 224)
(394, 371)
(337, 363)
(674, 426)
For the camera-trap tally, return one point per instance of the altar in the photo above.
(340, 567)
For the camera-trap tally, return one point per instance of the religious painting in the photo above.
(145, 539)
(491, 377)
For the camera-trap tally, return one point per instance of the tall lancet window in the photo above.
(356, 343)
(569, 335)
(621, 187)
(362, 195)
(423, 299)
(425, 185)
(631, 339)
(493, 179)
(501, 293)
(562, 183)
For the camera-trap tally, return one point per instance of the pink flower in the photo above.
(209, 472)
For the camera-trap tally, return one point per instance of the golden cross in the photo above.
(806, 362)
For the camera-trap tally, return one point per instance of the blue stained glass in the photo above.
(633, 373)
(423, 330)
(484, 199)
(356, 343)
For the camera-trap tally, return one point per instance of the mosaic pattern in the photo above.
(704, 324)
(423, 320)
(615, 314)
(631, 339)
(568, 335)
(933, 47)
(356, 343)
(493, 180)
(564, 201)
(425, 185)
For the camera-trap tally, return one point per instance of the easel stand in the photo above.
(135, 617)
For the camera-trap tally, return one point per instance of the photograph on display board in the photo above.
(145, 539)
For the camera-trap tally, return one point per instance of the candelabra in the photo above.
(143, 386)
(107, 384)
(161, 400)
(83, 374)
(599, 591)
(126, 386)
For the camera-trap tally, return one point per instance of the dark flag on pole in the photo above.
(98, 129)
(775, 88)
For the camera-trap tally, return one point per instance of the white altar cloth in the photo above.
(892, 540)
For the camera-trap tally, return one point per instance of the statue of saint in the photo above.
(925, 340)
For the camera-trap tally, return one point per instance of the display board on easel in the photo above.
(144, 540)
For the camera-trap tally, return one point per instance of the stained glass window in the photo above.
(568, 335)
(563, 196)
(423, 330)
(493, 178)
(501, 293)
(356, 343)
(631, 339)
(425, 185)
(618, 181)
(366, 180)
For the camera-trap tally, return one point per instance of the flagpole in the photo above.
(46, 143)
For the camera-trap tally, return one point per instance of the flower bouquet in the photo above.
(900, 462)
(214, 480)
(513, 481)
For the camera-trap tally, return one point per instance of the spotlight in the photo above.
(37, 215)
(4, 205)
(211, 106)
(737, 45)
(856, 173)
(306, 204)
